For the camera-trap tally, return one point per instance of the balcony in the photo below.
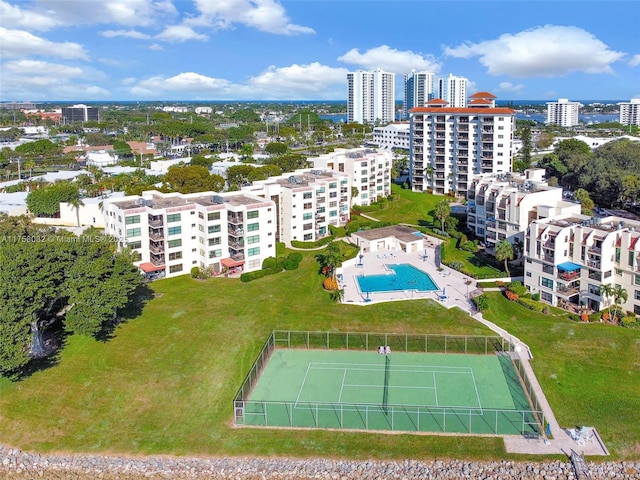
(594, 264)
(156, 248)
(594, 275)
(235, 218)
(157, 222)
(156, 233)
(547, 258)
(236, 244)
(595, 250)
(568, 290)
(237, 257)
(236, 232)
(157, 260)
(569, 276)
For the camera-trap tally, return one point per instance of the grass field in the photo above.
(165, 382)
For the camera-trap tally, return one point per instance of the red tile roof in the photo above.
(150, 267)
(479, 101)
(468, 111)
(437, 101)
(483, 95)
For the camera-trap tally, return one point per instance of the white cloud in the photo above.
(35, 79)
(18, 43)
(121, 12)
(124, 33)
(635, 60)
(156, 47)
(300, 81)
(16, 17)
(264, 15)
(547, 51)
(180, 33)
(187, 83)
(510, 87)
(391, 60)
(286, 83)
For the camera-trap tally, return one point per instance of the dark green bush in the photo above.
(291, 261)
(518, 288)
(482, 302)
(531, 304)
(269, 262)
(469, 247)
(536, 297)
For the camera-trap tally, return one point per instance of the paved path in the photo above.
(458, 287)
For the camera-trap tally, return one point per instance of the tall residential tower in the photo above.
(563, 112)
(371, 96)
(453, 90)
(418, 90)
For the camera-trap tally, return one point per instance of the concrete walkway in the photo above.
(458, 288)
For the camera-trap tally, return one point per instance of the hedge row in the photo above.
(271, 266)
(310, 245)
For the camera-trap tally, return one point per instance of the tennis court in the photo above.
(416, 392)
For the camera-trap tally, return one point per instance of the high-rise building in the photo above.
(453, 90)
(418, 90)
(563, 112)
(630, 112)
(80, 113)
(371, 96)
(449, 145)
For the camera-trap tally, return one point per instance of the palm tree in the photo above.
(504, 252)
(442, 211)
(76, 203)
(606, 292)
(620, 296)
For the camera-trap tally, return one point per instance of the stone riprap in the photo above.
(18, 465)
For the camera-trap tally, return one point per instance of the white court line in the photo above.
(303, 382)
(398, 368)
(342, 386)
(435, 385)
(374, 366)
(475, 385)
(390, 386)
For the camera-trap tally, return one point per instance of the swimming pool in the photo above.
(404, 277)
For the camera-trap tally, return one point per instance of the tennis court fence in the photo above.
(391, 417)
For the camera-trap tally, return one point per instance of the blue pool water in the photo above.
(404, 277)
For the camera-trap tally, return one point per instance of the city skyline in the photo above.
(292, 50)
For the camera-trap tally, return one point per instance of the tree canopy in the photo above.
(54, 280)
(46, 201)
(191, 179)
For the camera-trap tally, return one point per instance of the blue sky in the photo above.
(112, 50)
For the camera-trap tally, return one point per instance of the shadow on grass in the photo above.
(132, 310)
(54, 339)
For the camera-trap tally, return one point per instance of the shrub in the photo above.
(195, 272)
(330, 284)
(291, 261)
(469, 247)
(630, 321)
(584, 317)
(482, 302)
(511, 296)
(462, 240)
(269, 262)
(518, 288)
(532, 305)
(536, 297)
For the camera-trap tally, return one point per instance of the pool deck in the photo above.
(373, 263)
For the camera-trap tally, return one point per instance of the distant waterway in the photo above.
(540, 118)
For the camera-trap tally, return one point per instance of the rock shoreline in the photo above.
(16, 464)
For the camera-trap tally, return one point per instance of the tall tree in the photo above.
(586, 204)
(620, 296)
(504, 252)
(191, 179)
(441, 211)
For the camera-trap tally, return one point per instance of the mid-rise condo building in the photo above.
(563, 112)
(568, 258)
(394, 135)
(307, 201)
(449, 145)
(501, 206)
(371, 96)
(368, 169)
(172, 232)
(630, 112)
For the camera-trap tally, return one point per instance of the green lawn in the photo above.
(165, 382)
(590, 372)
(410, 207)
(473, 263)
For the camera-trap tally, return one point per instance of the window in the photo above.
(546, 297)
(213, 216)
(546, 282)
(253, 239)
(307, 206)
(333, 213)
(174, 230)
(637, 280)
(307, 226)
(175, 255)
(252, 227)
(333, 194)
(630, 259)
(215, 253)
(333, 185)
(253, 251)
(201, 215)
(637, 295)
(173, 217)
(215, 241)
(201, 228)
(308, 236)
(134, 232)
(132, 219)
(174, 243)
(253, 264)
(136, 244)
(307, 216)
(307, 195)
(252, 214)
(175, 268)
(214, 228)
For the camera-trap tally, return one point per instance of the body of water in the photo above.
(404, 277)
(540, 118)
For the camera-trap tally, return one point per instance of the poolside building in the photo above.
(393, 238)
(174, 232)
(568, 258)
(501, 206)
(368, 168)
